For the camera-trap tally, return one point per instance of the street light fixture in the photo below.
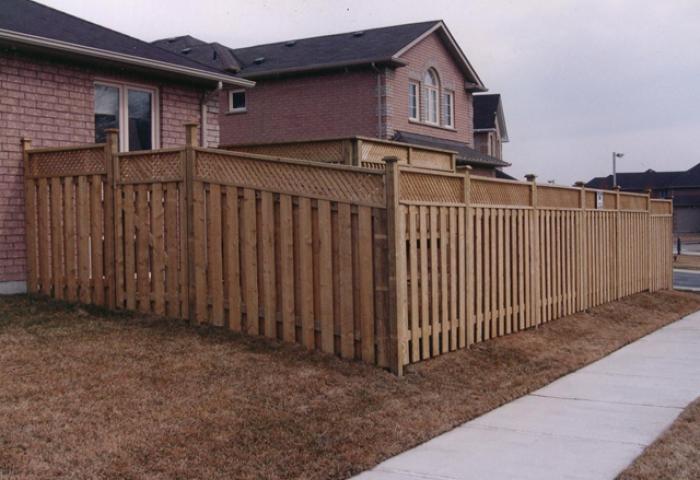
(615, 156)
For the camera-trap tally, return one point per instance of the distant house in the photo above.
(64, 80)
(490, 132)
(682, 186)
(410, 83)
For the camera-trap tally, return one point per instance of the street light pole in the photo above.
(615, 156)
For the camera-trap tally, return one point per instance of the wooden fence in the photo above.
(390, 267)
(358, 151)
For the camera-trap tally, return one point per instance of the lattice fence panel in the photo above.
(334, 151)
(590, 200)
(68, 163)
(375, 152)
(609, 202)
(431, 159)
(661, 207)
(157, 166)
(342, 184)
(555, 197)
(484, 192)
(633, 202)
(422, 187)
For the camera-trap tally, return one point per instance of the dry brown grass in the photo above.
(688, 262)
(676, 454)
(95, 395)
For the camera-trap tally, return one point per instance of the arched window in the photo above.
(432, 89)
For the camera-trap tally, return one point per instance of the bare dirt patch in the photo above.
(89, 394)
(676, 454)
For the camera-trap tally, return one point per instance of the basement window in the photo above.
(237, 101)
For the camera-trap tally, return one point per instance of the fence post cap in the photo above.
(391, 159)
(111, 130)
(530, 177)
(580, 184)
(617, 188)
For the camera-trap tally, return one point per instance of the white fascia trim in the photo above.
(462, 57)
(121, 57)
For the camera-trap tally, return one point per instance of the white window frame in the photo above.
(451, 103)
(432, 99)
(124, 111)
(230, 101)
(416, 93)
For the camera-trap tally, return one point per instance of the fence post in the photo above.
(190, 144)
(649, 243)
(535, 251)
(581, 246)
(618, 244)
(110, 230)
(29, 213)
(396, 268)
(469, 267)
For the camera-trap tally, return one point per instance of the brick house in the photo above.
(410, 83)
(682, 186)
(64, 80)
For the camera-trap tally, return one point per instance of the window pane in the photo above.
(140, 120)
(106, 111)
(237, 100)
(447, 108)
(412, 100)
(432, 106)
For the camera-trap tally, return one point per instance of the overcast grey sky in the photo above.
(579, 79)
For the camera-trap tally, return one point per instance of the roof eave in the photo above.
(67, 47)
(394, 62)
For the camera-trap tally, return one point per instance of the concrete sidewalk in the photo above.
(590, 424)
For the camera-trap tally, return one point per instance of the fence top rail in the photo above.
(292, 161)
(67, 148)
(404, 168)
(662, 200)
(137, 153)
(504, 181)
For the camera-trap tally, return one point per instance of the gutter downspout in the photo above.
(379, 100)
(203, 100)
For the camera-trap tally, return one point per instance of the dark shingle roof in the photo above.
(503, 175)
(465, 154)
(485, 110)
(31, 18)
(376, 45)
(641, 181)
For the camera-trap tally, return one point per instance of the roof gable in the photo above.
(25, 21)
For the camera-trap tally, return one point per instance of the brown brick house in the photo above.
(64, 80)
(407, 82)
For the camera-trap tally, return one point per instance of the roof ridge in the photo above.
(431, 22)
